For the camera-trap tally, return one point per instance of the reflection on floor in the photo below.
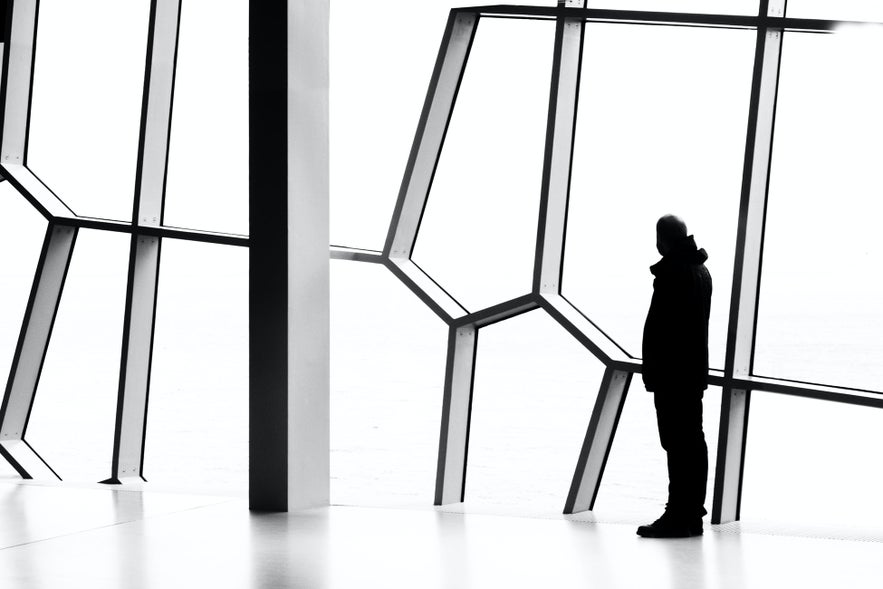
(62, 536)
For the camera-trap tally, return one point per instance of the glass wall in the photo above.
(661, 128)
(74, 413)
(478, 234)
(820, 317)
(387, 381)
(535, 387)
(197, 421)
(86, 105)
(382, 57)
(207, 186)
(813, 464)
(658, 132)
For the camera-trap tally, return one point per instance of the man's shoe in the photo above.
(669, 526)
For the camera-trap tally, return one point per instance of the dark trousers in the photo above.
(679, 416)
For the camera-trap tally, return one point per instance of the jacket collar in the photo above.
(684, 252)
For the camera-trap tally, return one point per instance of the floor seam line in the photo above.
(19, 545)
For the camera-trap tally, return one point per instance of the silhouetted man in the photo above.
(675, 370)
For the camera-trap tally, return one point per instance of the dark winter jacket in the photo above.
(675, 346)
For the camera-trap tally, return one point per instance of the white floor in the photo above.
(63, 536)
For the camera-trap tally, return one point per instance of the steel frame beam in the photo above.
(501, 312)
(164, 231)
(15, 97)
(428, 290)
(30, 352)
(586, 332)
(450, 480)
(144, 253)
(430, 136)
(736, 400)
(355, 254)
(35, 191)
(558, 157)
(766, 19)
(598, 441)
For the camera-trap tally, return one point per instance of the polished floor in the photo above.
(62, 536)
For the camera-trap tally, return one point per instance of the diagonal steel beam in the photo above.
(430, 136)
(33, 341)
(15, 98)
(428, 290)
(598, 441)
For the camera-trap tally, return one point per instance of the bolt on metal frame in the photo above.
(147, 231)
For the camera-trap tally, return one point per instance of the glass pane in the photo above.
(72, 423)
(86, 107)
(478, 233)
(197, 428)
(387, 381)
(22, 230)
(864, 10)
(207, 184)
(820, 317)
(810, 464)
(695, 6)
(380, 69)
(534, 390)
(658, 132)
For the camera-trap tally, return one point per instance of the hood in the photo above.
(684, 252)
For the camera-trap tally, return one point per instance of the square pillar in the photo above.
(288, 256)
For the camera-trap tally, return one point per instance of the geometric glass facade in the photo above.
(561, 188)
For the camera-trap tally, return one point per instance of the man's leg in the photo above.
(679, 417)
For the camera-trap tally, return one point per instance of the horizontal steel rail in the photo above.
(784, 386)
(500, 312)
(155, 231)
(669, 18)
(356, 254)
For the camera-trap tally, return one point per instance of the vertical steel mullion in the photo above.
(557, 165)
(735, 402)
(30, 352)
(430, 136)
(450, 482)
(18, 72)
(598, 441)
(144, 255)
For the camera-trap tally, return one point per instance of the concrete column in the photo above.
(288, 256)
